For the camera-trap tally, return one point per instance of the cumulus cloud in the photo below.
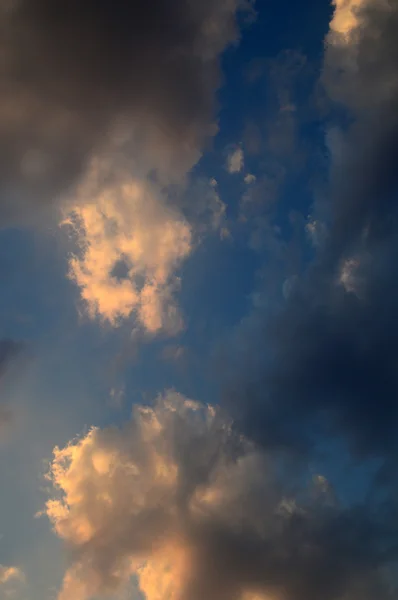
(71, 76)
(129, 244)
(235, 160)
(191, 508)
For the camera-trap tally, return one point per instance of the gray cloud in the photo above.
(320, 368)
(328, 360)
(73, 74)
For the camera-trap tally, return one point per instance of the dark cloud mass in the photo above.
(325, 368)
(70, 71)
(330, 357)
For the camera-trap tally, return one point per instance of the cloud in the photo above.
(11, 578)
(129, 244)
(73, 77)
(104, 128)
(235, 161)
(345, 17)
(324, 360)
(10, 573)
(101, 126)
(9, 350)
(203, 207)
(194, 510)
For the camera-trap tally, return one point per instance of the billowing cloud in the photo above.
(129, 246)
(73, 76)
(194, 510)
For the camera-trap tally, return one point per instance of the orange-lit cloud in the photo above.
(193, 510)
(129, 245)
(11, 580)
(345, 17)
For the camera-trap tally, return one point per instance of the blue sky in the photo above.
(197, 245)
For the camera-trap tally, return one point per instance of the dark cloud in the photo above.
(328, 360)
(180, 481)
(71, 71)
(321, 368)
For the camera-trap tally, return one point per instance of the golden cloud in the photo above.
(130, 243)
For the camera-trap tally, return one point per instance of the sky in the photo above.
(199, 333)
